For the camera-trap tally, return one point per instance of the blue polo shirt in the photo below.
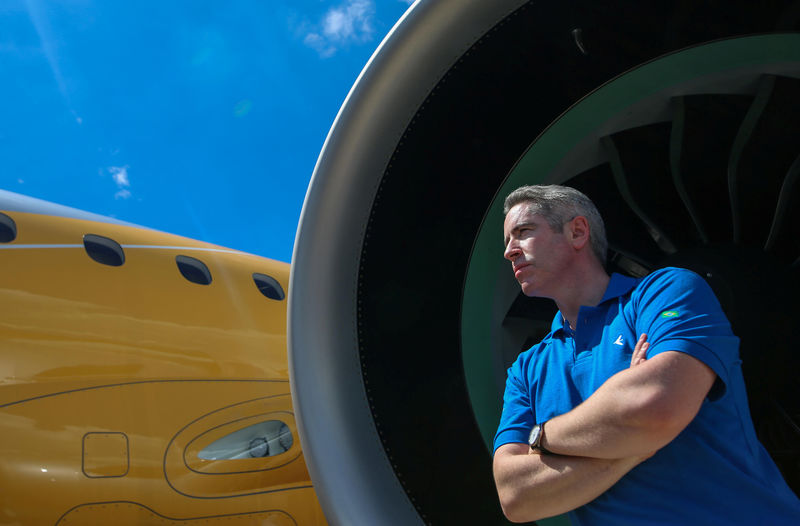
(715, 471)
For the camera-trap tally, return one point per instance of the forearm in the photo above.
(533, 486)
(603, 428)
(636, 411)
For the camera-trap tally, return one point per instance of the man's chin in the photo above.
(530, 290)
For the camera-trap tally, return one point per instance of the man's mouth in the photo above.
(519, 268)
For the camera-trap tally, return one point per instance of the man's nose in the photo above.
(512, 251)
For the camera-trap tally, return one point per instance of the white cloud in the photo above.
(353, 20)
(349, 22)
(120, 176)
(321, 45)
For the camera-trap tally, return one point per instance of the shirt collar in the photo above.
(618, 285)
(560, 324)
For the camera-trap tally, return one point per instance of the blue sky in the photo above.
(199, 118)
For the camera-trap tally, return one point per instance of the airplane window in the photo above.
(269, 286)
(265, 439)
(8, 229)
(104, 250)
(194, 270)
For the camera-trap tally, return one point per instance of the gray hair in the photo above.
(558, 205)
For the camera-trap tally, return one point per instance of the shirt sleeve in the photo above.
(517, 418)
(678, 311)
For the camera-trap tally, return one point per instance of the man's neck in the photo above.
(587, 289)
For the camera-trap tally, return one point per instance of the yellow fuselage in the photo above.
(116, 382)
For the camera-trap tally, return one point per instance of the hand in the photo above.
(640, 351)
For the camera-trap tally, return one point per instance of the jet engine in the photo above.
(678, 118)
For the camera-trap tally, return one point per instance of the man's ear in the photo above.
(578, 232)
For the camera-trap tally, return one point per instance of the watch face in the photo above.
(535, 436)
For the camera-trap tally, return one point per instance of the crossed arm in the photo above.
(630, 417)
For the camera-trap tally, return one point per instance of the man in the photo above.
(633, 409)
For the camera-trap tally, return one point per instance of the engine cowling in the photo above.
(677, 119)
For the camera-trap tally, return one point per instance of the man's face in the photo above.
(538, 255)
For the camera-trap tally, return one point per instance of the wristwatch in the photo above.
(536, 436)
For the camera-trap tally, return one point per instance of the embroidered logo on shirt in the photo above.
(669, 314)
(619, 341)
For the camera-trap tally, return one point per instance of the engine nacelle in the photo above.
(677, 119)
